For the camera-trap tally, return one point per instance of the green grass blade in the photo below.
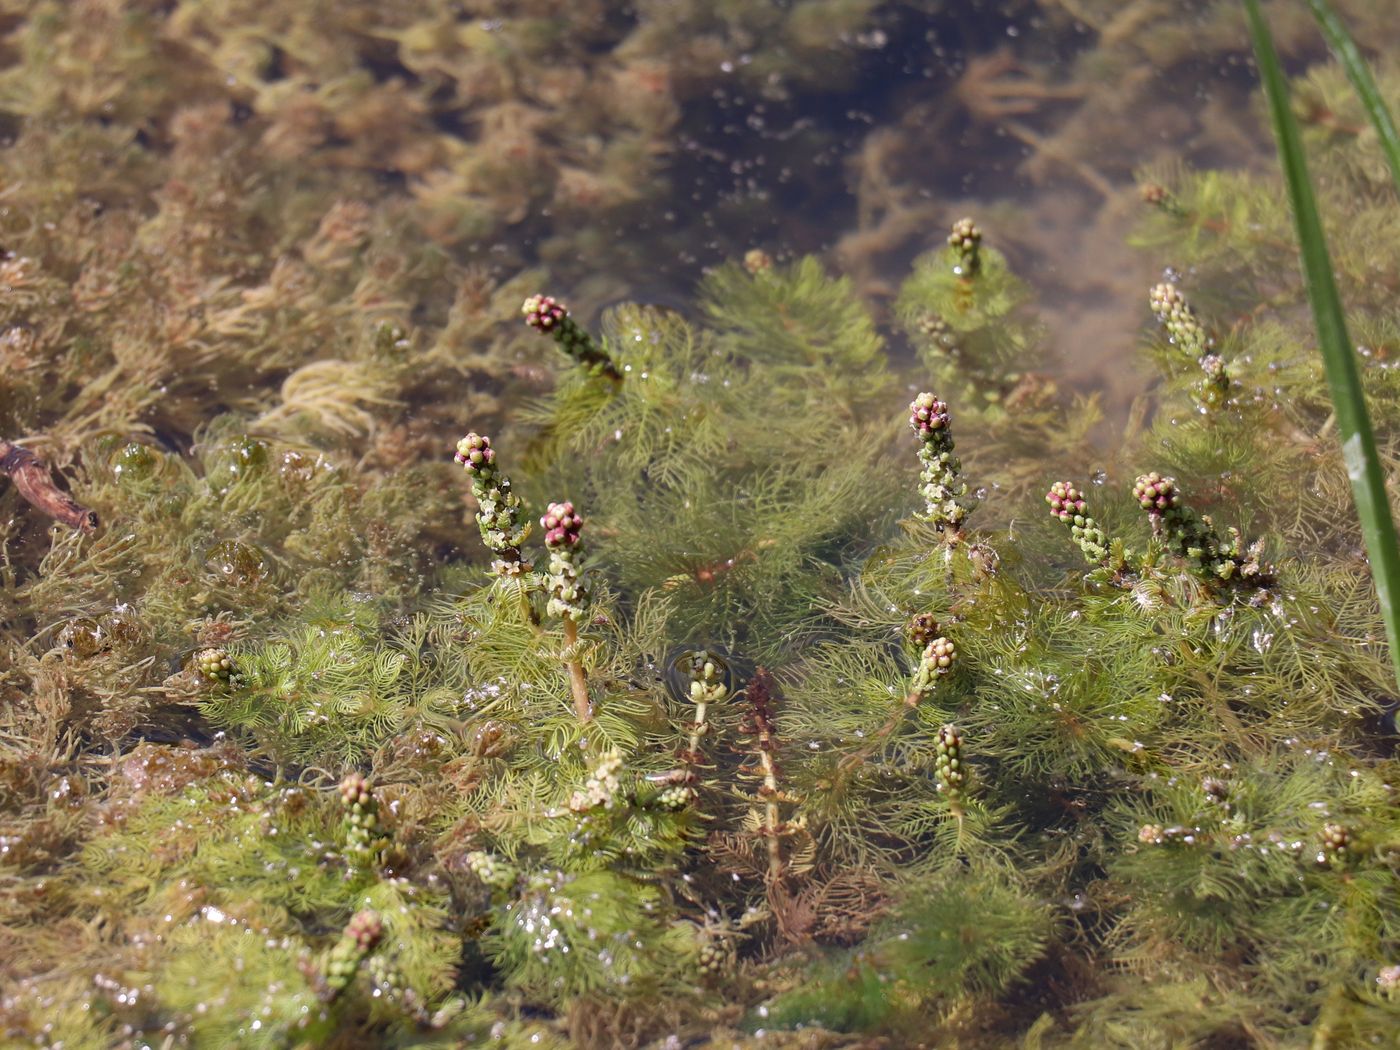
(1344, 47)
(1353, 421)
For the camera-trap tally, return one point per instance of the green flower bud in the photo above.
(952, 777)
(213, 665)
(966, 241)
(937, 660)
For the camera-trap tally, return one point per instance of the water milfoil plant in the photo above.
(782, 736)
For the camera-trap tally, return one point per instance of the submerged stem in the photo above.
(771, 792)
(698, 728)
(578, 681)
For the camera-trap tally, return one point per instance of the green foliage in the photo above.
(966, 934)
(728, 502)
(333, 690)
(594, 933)
(797, 321)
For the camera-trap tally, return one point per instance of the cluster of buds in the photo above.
(1214, 368)
(492, 871)
(548, 315)
(717, 955)
(757, 261)
(365, 839)
(603, 787)
(938, 333)
(921, 629)
(1067, 503)
(937, 660)
(1194, 537)
(670, 790)
(214, 666)
(358, 940)
(675, 798)
(705, 683)
(948, 766)
(928, 417)
(1158, 196)
(708, 683)
(391, 985)
(499, 513)
(563, 525)
(1174, 313)
(1336, 842)
(1156, 495)
(563, 528)
(943, 488)
(966, 241)
(1184, 330)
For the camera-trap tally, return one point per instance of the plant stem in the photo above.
(578, 681)
(698, 728)
(771, 792)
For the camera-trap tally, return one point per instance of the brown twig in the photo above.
(31, 477)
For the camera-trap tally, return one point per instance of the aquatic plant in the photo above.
(972, 732)
(289, 759)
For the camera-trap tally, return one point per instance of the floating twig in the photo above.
(31, 476)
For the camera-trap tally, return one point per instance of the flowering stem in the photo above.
(708, 685)
(548, 315)
(951, 776)
(568, 593)
(943, 490)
